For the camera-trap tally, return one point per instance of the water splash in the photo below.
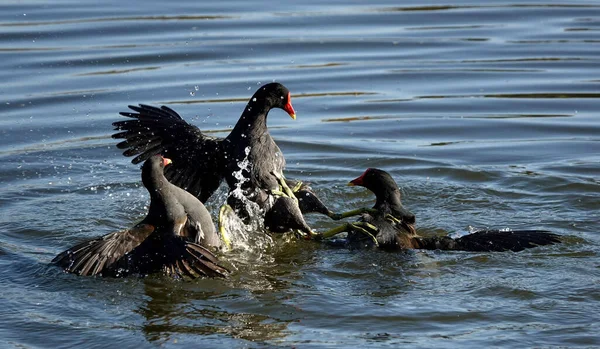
(247, 242)
(249, 237)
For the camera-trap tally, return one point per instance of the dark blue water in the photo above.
(486, 114)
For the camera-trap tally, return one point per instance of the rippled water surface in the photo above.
(486, 113)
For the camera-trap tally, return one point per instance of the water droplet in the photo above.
(254, 99)
(196, 87)
(192, 93)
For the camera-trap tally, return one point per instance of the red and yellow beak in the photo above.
(358, 180)
(167, 161)
(288, 107)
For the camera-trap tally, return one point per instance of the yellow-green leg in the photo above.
(225, 210)
(285, 190)
(393, 219)
(308, 236)
(296, 187)
(361, 227)
(357, 212)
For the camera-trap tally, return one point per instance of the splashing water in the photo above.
(251, 237)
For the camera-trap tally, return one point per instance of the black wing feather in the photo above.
(102, 255)
(192, 260)
(197, 161)
(491, 240)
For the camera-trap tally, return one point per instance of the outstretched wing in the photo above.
(190, 260)
(197, 158)
(490, 240)
(103, 255)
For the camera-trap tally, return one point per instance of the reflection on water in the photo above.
(174, 309)
(485, 114)
(246, 306)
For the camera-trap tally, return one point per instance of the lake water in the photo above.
(486, 113)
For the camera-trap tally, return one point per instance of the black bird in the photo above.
(248, 158)
(174, 237)
(308, 201)
(285, 215)
(201, 162)
(390, 226)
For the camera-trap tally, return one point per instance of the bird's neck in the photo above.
(157, 187)
(161, 203)
(160, 188)
(252, 123)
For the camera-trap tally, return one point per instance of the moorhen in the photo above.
(248, 158)
(389, 225)
(173, 237)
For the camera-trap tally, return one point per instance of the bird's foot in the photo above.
(365, 228)
(297, 186)
(393, 219)
(308, 235)
(284, 188)
(278, 192)
(401, 224)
